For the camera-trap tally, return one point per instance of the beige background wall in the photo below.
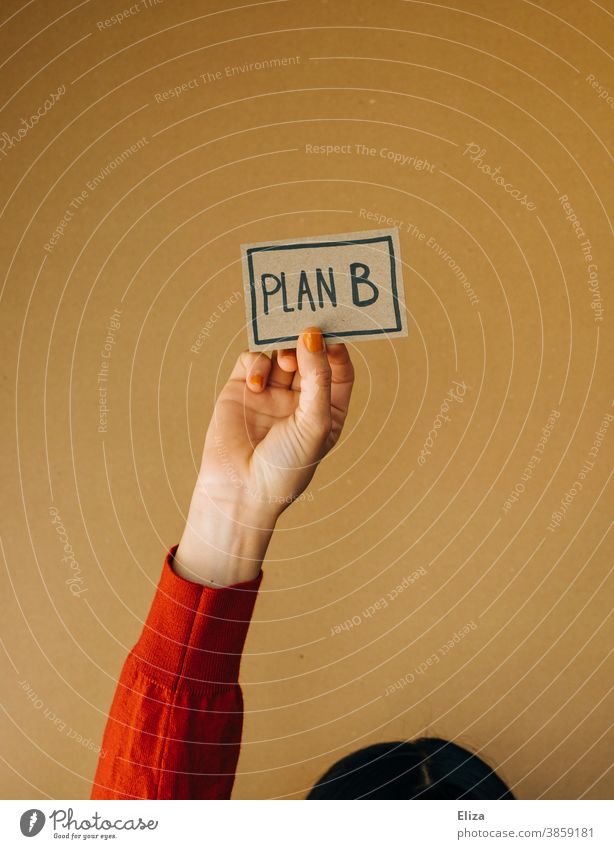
(527, 682)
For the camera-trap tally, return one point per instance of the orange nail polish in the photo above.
(313, 339)
(256, 380)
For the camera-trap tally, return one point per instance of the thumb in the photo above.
(313, 414)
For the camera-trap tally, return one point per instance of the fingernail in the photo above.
(256, 380)
(313, 339)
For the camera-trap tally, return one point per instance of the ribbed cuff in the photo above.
(193, 632)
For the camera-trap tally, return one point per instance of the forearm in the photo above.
(175, 725)
(224, 541)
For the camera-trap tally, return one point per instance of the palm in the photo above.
(255, 441)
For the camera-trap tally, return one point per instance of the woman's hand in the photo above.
(273, 422)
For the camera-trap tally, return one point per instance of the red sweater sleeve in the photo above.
(174, 729)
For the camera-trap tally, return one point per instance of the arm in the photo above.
(175, 724)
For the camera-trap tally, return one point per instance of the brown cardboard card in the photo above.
(350, 285)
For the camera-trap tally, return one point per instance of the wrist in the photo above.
(223, 543)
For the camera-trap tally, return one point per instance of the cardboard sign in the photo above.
(350, 285)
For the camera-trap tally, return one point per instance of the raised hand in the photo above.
(273, 422)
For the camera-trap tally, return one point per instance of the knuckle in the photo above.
(323, 376)
(253, 362)
(322, 427)
(246, 359)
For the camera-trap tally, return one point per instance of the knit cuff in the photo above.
(193, 632)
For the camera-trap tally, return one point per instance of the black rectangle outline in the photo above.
(297, 246)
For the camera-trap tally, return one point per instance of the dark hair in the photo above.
(428, 768)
